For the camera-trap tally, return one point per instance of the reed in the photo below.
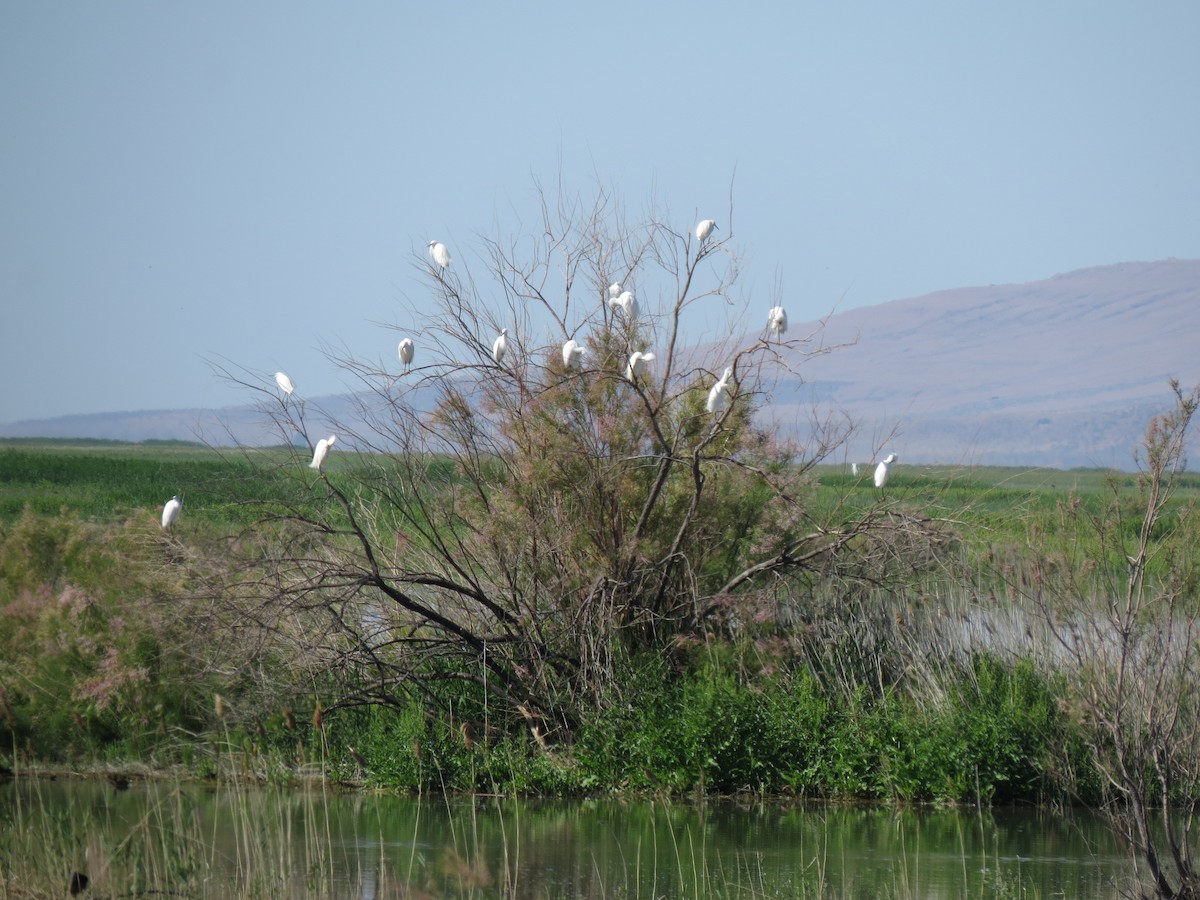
(238, 841)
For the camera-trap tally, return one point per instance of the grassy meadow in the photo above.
(114, 655)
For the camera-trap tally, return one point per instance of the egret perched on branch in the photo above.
(440, 254)
(614, 290)
(883, 470)
(717, 397)
(500, 346)
(572, 353)
(406, 352)
(170, 513)
(285, 383)
(704, 229)
(637, 364)
(321, 450)
(777, 320)
(628, 304)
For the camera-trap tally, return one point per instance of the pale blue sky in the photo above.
(248, 180)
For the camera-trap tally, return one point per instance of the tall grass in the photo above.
(170, 839)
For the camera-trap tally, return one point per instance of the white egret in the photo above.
(883, 470)
(285, 383)
(777, 320)
(572, 353)
(704, 229)
(853, 468)
(628, 304)
(405, 350)
(170, 513)
(717, 397)
(637, 364)
(321, 450)
(440, 254)
(614, 290)
(500, 346)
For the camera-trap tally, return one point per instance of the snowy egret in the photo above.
(614, 290)
(285, 383)
(572, 352)
(883, 470)
(704, 229)
(440, 254)
(717, 398)
(322, 449)
(777, 320)
(854, 468)
(500, 346)
(637, 364)
(406, 352)
(628, 304)
(171, 512)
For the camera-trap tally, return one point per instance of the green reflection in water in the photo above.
(236, 841)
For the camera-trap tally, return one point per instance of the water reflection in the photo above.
(230, 840)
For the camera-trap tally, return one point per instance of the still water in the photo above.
(228, 841)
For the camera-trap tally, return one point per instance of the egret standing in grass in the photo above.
(777, 320)
(854, 469)
(170, 514)
(637, 364)
(627, 303)
(883, 470)
(285, 384)
(440, 254)
(405, 350)
(572, 353)
(704, 229)
(718, 399)
(500, 346)
(321, 451)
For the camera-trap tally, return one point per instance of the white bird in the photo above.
(853, 468)
(777, 320)
(704, 229)
(322, 449)
(405, 350)
(440, 254)
(628, 304)
(572, 352)
(717, 397)
(500, 346)
(614, 290)
(637, 364)
(171, 512)
(285, 383)
(883, 470)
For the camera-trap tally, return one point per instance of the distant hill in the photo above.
(1064, 372)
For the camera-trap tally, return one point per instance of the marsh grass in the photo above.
(156, 838)
(173, 839)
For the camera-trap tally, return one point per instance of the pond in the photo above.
(231, 840)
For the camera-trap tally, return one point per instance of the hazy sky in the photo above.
(248, 181)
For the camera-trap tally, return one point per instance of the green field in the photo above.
(110, 480)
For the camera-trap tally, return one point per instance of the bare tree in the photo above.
(525, 521)
(1122, 609)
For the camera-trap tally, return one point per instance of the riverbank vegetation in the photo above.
(112, 659)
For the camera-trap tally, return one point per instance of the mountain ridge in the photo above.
(1060, 372)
